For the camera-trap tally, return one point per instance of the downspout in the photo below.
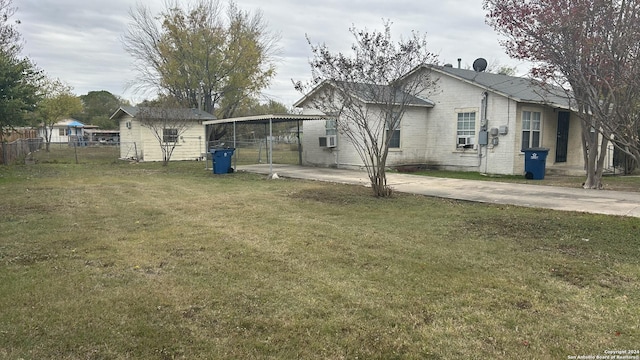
(483, 127)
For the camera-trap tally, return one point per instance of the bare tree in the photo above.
(200, 55)
(167, 123)
(9, 35)
(594, 47)
(369, 92)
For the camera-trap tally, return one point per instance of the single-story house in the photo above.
(64, 131)
(474, 121)
(140, 126)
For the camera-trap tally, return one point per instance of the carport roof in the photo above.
(265, 119)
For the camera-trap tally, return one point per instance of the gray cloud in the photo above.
(78, 41)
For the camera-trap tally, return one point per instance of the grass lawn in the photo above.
(110, 260)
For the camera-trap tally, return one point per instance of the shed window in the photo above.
(170, 135)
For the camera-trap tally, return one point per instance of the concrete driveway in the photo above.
(546, 197)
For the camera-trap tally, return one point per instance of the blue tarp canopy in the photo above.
(75, 123)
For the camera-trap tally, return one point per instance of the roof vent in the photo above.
(480, 65)
(448, 65)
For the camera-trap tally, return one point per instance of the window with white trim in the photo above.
(63, 131)
(531, 121)
(170, 135)
(466, 130)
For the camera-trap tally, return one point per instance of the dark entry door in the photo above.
(563, 136)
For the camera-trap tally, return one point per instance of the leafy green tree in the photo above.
(254, 107)
(18, 76)
(98, 106)
(18, 91)
(104, 123)
(58, 103)
(200, 57)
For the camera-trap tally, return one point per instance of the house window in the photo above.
(466, 129)
(530, 129)
(393, 135)
(63, 132)
(331, 127)
(170, 135)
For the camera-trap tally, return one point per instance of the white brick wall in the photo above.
(312, 153)
(429, 135)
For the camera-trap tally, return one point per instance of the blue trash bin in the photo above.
(535, 163)
(221, 159)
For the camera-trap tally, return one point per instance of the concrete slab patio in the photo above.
(537, 196)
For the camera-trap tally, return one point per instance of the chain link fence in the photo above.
(247, 152)
(257, 151)
(78, 152)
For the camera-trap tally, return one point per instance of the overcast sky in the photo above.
(79, 41)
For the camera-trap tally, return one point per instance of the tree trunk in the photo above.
(595, 165)
(379, 182)
(47, 138)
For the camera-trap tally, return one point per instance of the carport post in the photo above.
(235, 156)
(270, 147)
(299, 144)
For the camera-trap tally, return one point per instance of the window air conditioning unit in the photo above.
(328, 141)
(464, 141)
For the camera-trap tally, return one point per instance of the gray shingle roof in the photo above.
(370, 93)
(518, 88)
(157, 113)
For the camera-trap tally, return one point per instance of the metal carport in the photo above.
(267, 119)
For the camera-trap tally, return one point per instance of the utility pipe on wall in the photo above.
(483, 126)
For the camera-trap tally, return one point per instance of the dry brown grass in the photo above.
(124, 261)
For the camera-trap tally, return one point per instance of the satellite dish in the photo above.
(480, 65)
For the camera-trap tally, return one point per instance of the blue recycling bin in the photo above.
(535, 163)
(221, 159)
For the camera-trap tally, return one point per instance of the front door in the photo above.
(563, 136)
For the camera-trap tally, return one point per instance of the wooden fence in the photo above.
(18, 150)
(12, 135)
